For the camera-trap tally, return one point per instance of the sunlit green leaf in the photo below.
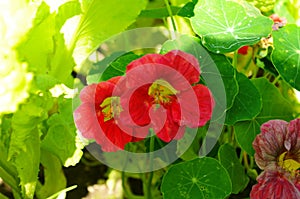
(54, 178)
(66, 11)
(236, 171)
(225, 26)
(196, 179)
(61, 138)
(286, 54)
(159, 12)
(44, 48)
(275, 106)
(24, 150)
(101, 20)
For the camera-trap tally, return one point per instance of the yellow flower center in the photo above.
(288, 164)
(161, 91)
(111, 108)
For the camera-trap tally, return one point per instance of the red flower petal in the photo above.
(199, 96)
(243, 50)
(117, 137)
(164, 125)
(85, 118)
(185, 63)
(90, 121)
(139, 105)
(269, 145)
(274, 185)
(292, 142)
(155, 66)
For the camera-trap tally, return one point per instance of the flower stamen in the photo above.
(288, 164)
(161, 91)
(111, 108)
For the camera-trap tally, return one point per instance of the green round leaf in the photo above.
(196, 179)
(286, 55)
(225, 26)
(274, 106)
(247, 104)
(236, 171)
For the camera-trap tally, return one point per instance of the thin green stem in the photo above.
(241, 156)
(170, 14)
(9, 180)
(148, 193)
(251, 162)
(245, 160)
(65, 190)
(276, 80)
(235, 59)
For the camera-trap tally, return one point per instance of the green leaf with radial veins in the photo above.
(226, 25)
(101, 20)
(196, 179)
(274, 106)
(229, 160)
(286, 55)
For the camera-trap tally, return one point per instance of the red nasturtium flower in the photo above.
(156, 92)
(166, 95)
(278, 154)
(97, 116)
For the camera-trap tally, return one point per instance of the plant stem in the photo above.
(245, 160)
(276, 80)
(9, 179)
(64, 190)
(170, 14)
(148, 184)
(235, 59)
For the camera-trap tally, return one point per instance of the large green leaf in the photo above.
(54, 178)
(247, 104)
(61, 139)
(286, 54)
(228, 75)
(24, 150)
(236, 171)
(225, 26)
(275, 106)
(44, 48)
(8, 171)
(39, 42)
(101, 20)
(196, 179)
